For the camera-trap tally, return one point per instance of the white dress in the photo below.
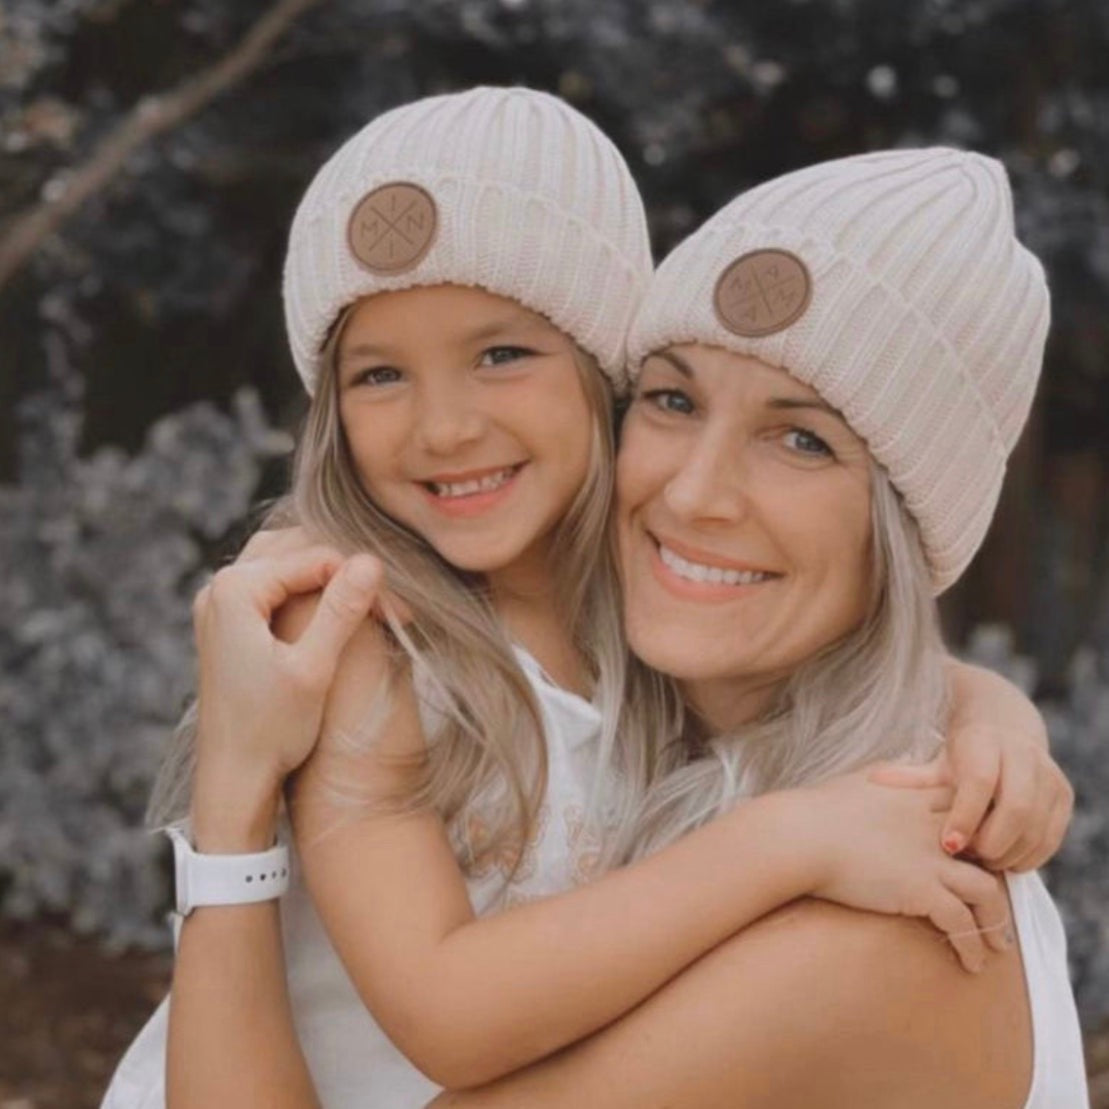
(353, 1063)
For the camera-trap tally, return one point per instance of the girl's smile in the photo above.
(466, 419)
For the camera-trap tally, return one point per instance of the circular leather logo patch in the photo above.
(762, 292)
(393, 227)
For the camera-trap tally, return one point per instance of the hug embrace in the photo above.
(589, 675)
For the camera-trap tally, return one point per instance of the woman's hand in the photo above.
(879, 850)
(261, 699)
(1012, 803)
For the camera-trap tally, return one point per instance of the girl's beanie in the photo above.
(894, 285)
(507, 189)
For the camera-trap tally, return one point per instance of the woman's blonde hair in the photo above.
(879, 693)
(489, 740)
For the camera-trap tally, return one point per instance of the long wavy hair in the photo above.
(489, 739)
(878, 693)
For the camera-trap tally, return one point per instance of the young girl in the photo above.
(459, 278)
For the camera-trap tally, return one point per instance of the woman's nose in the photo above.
(709, 485)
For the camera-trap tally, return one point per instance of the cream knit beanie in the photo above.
(894, 285)
(508, 189)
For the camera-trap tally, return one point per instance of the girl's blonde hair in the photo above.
(879, 693)
(489, 740)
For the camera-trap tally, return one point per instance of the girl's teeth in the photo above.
(468, 488)
(715, 575)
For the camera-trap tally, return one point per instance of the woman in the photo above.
(814, 604)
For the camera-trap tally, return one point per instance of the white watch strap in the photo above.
(226, 879)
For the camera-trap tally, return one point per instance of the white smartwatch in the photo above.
(226, 879)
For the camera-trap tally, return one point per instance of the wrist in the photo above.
(799, 841)
(233, 811)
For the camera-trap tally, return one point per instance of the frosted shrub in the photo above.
(101, 559)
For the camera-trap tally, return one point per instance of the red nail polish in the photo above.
(954, 843)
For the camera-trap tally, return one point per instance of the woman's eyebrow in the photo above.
(676, 360)
(793, 403)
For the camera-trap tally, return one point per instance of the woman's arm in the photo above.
(231, 1037)
(813, 1005)
(470, 999)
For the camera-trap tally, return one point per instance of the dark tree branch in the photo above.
(64, 194)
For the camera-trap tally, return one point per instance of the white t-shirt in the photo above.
(353, 1063)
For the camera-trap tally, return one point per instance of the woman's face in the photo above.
(744, 525)
(467, 420)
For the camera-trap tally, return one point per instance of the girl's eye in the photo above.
(377, 375)
(806, 442)
(500, 356)
(668, 400)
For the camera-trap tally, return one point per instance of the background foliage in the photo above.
(144, 378)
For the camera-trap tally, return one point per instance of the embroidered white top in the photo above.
(353, 1063)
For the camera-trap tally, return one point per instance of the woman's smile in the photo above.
(743, 516)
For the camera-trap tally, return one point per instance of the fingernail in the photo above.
(954, 842)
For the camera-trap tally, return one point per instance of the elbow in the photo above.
(454, 1069)
(459, 1055)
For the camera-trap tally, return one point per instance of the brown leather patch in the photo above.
(393, 227)
(762, 292)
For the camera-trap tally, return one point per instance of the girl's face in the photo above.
(467, 420)
(744, 525)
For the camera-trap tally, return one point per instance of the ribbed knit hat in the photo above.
(893, 284)
(507, 189)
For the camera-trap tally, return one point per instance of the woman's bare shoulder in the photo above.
(812, 1005)
(876, 1010)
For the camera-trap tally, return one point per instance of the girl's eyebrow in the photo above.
(517, 321)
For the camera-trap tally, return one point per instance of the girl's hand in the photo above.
(879, 850)
(287, 540)
(1012, 803)
(260, 699)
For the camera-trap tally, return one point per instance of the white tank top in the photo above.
(353, 1063)
(1058, 1070)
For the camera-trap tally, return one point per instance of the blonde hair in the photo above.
(490, 739)
(879, 693)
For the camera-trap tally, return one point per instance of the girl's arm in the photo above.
(813, 1005)
(231, 1037)
(470, 999)
(1012, 802)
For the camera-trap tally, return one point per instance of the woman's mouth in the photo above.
(687, 576)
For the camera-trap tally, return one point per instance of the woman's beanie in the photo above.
(893, 284)
(507, 189)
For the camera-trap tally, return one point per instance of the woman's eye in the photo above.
(500, 356)
(806, 442)
(668, 400)
(377, 375)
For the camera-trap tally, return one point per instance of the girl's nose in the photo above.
(447, 421)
